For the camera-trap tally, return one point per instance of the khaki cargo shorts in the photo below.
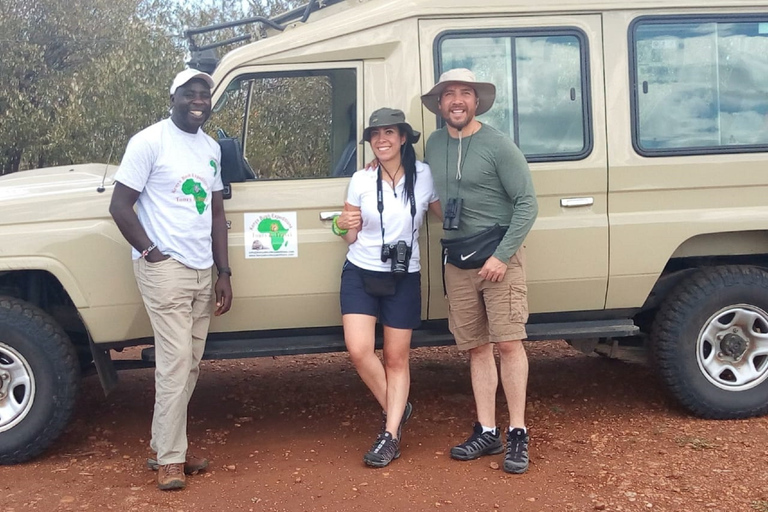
(483, 312)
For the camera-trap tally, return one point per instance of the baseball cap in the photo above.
(190, 74)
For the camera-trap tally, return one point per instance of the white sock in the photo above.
(488, 429)
(525, 430)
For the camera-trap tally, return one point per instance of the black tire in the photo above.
(35, 348)
(702, 344)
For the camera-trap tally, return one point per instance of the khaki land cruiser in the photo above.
(646, 127)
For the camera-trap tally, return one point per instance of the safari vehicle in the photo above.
(645, 126)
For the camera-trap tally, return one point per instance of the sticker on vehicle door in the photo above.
(271, 235)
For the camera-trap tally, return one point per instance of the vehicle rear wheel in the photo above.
(38, 380)
(710, 342)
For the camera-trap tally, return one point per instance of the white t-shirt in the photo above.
(365, 252)
(176, 173)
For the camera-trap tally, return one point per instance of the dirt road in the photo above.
(289, 434)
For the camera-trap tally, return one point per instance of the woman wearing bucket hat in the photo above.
(381, 277)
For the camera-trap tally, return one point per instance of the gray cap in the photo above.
(390, 117)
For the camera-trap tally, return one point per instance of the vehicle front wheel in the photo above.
(710, 342)
(38, 380)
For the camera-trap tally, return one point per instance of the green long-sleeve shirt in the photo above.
(495, 184)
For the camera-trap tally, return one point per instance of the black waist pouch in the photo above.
(472, 251)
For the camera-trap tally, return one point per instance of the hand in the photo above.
(350, 218)
(223, 291)
(493, 270)
(155, 256)
(372, 164)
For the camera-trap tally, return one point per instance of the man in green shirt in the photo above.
(485, 175)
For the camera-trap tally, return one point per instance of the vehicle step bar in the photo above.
(580, 330)
(236, 348)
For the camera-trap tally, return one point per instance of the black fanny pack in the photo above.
(472, 251)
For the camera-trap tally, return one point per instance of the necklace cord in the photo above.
(462, 156)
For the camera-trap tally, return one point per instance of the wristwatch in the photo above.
(225, 270)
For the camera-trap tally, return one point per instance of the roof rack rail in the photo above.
(278, 23)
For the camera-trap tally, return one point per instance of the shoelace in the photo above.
(382, 442)
(480, 441)
(516, 448)
(174, 469)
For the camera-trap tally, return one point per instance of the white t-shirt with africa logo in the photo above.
(176, 173)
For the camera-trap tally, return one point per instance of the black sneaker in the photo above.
(479, 443)
(406, 415)
(516, 458)
(384, 450)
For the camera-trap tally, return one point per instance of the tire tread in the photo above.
(667, 333)
(26, 317)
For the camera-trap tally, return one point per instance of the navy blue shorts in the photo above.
(400, 311)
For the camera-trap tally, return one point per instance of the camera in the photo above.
(400, 254)
(452, 213)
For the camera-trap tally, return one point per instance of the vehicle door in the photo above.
(548, 72)
(298, 128)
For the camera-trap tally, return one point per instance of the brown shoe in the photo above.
(171, 476)
(192, 466)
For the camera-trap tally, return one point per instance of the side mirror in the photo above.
(234, 168)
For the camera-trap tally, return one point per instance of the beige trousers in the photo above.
(179, 301)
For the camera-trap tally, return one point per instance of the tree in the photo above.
(78, 78)
(74, 77)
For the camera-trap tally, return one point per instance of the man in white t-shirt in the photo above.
(171, 173)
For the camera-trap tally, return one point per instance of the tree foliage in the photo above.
(79, 78)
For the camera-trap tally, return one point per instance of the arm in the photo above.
(436, 208)
(219, 234)
(516, 180)
(121, 209)
(434, 205)
(350, 219)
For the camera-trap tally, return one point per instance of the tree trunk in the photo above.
(11, 161)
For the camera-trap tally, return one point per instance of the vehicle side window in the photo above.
(700, 85)
(541, 83)
(293, 125)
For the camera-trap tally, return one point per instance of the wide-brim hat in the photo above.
(486, 91)
(390, 117)
(190, 74)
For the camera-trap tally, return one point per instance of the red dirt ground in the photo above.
(288, 434)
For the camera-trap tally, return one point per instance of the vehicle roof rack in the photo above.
(279, 23)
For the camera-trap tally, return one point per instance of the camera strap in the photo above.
(380, 205)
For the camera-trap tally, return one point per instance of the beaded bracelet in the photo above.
(336, 229)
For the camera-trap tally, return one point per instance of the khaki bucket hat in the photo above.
(390, 117)
(486, 91)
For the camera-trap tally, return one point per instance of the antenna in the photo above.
(101, 187)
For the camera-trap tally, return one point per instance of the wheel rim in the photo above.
(17, 387)
(732, 348)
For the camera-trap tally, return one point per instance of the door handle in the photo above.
(575, 202)
(328, 215)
